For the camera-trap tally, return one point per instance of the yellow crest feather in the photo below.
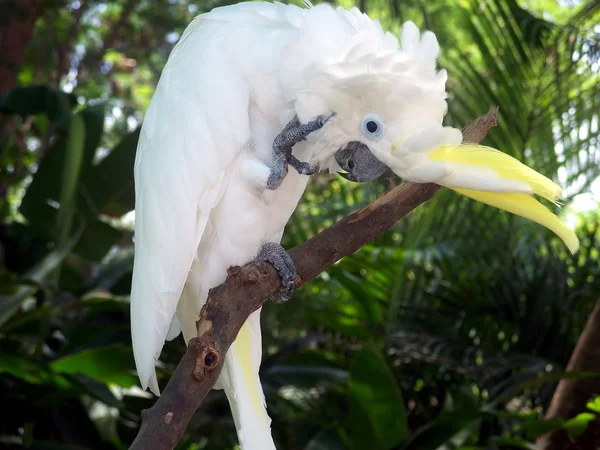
(505, 165)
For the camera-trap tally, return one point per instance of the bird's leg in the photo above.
(276, 255)
(293, 133)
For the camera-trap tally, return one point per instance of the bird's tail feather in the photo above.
(243, 389)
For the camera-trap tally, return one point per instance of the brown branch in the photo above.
(571, 395)
(247, 288)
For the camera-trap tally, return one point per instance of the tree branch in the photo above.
(571, 395)
(247, 288)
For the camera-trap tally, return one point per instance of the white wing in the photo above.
(197, 123)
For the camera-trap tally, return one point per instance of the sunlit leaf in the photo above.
(112, 364)
(578, 424)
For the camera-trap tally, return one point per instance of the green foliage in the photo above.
(449, 331)
(372, 383)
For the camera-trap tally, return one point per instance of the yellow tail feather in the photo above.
(243, 347)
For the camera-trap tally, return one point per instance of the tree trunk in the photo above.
(17, 21)
(571, 395)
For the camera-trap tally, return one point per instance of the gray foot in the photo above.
(276, 255)
(293, 133)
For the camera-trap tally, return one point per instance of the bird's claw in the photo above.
(276, 255)
(303, 168)
(293, 133)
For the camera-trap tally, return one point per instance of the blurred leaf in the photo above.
(536, 428)
(377, 414)
(74, 152)
(9, 305)
(93, 118)
(112, 364)
(443, 429)
(109, 185)
(32, 100)
(97, 390)
(578, 424)
(20, 367)
(44, 192)
(97, 239)
(304, 375)
(594, 405)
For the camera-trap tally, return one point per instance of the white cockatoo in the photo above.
(244, 86)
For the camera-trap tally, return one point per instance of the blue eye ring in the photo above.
(372, 126)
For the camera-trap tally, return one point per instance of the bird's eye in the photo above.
(372, 126)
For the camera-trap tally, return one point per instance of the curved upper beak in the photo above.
(359, 163)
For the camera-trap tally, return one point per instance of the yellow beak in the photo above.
(497, 179)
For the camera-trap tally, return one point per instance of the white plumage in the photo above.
(237, 76)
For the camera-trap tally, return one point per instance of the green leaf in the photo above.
(304, 375)
(31, 100)
(112, 364)
(24, 368)
(443, 429)
(9, 305)
(21, 367)
(97, 239)
(109, 185)
(594, 405)
(93, 118)
(97, 390)
(377, 414)
(535, 428)
(578, 424)
(70, 177)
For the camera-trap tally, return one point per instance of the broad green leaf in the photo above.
(21, 367)
(109, 185)
(93, 117)
(377, 415)
(31, 100)
(97, 390)
(112, 364)
(97, 239)
(74, 152)
(68, 160)
(578, 424)
(535, 428)
(594, 405)
(24, 368)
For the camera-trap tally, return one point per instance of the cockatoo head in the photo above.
(375, 114)
(389, 101)
(381, 96)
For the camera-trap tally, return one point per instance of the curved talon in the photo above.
(276, 255)
(292, 133)
(303, 168)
